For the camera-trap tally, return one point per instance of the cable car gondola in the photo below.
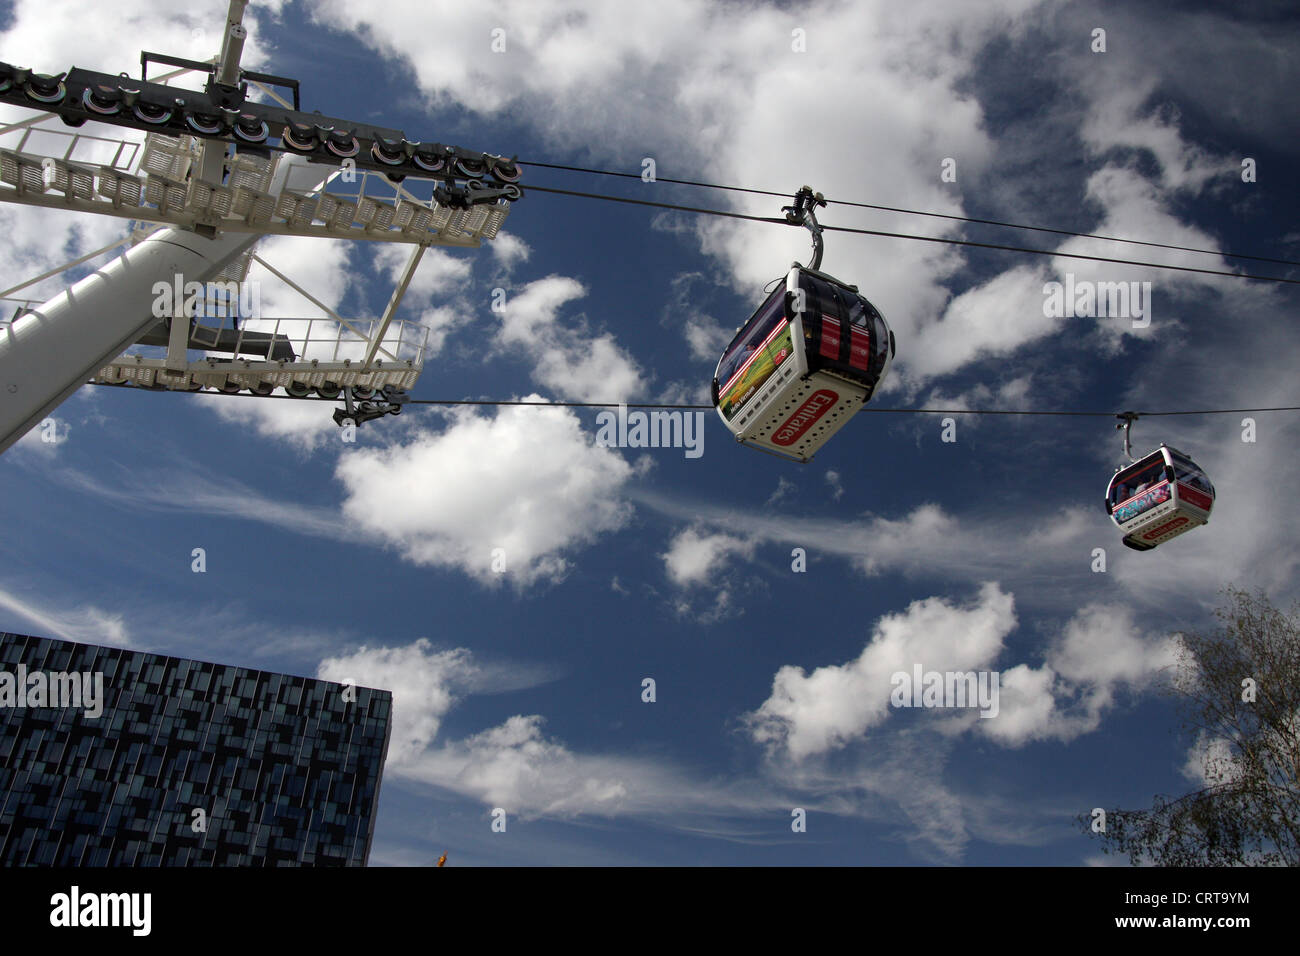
(1158, 497)
(808, 359)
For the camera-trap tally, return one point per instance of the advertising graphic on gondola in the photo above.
(759, 362)
(1142, 503)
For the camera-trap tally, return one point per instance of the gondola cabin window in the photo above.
(761, 346)
(1139, 488)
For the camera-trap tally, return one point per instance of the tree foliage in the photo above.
(1238, 690)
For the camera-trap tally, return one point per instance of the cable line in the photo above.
(545, 404)
(1064, 255)
(662, 205)
(918, 212)
(904, 235)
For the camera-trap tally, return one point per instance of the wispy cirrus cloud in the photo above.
(87, 625)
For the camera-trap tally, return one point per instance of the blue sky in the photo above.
(523, 690)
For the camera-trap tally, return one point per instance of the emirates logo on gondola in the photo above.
(816, 405)
(1168, 526)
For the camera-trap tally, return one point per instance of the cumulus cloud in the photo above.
(509, 250)
(1098, 654)
(703, 565)
(695, 558)
(527, 481)
(1211, 762)
(1012, 393)
(993, 318)
(1134, 206)
(713, 92)
(440, 271)
(436, 295)
(424, 684)
(567, 356)
(306, 426)
(52, 35)
(514, 764)
(706, 337)
(1125, 113)
(516, 767)
(504, 498)
(810, 714)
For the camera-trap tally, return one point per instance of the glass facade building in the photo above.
(181, 763)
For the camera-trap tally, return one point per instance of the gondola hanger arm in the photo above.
(803, 212)
(1126, 422)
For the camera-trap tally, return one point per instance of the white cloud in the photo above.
(1099, 653)
(1011, 394)
(577, 363)
(528, 481)
(424, 684)
(784, 487)
(324, 267)
(836, 484)
(1211, 762)
(1026, 705)
(436, 295)
(1133, 206)
(602, 372)
(509, 250)
(1121, 113)
(195, 493)
(87, 625)
(440, 272)
(513, 764)
(52, 35)
(695, 558)
(305, 425)
(810, 714)
(706, 337)
(926, 541)
(46, 437)
(994, 318)
(1102, 647)
(530, 314)
(699, 88)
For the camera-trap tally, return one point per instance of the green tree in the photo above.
(1238, 690)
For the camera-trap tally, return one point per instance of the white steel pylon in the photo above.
(200, 168)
